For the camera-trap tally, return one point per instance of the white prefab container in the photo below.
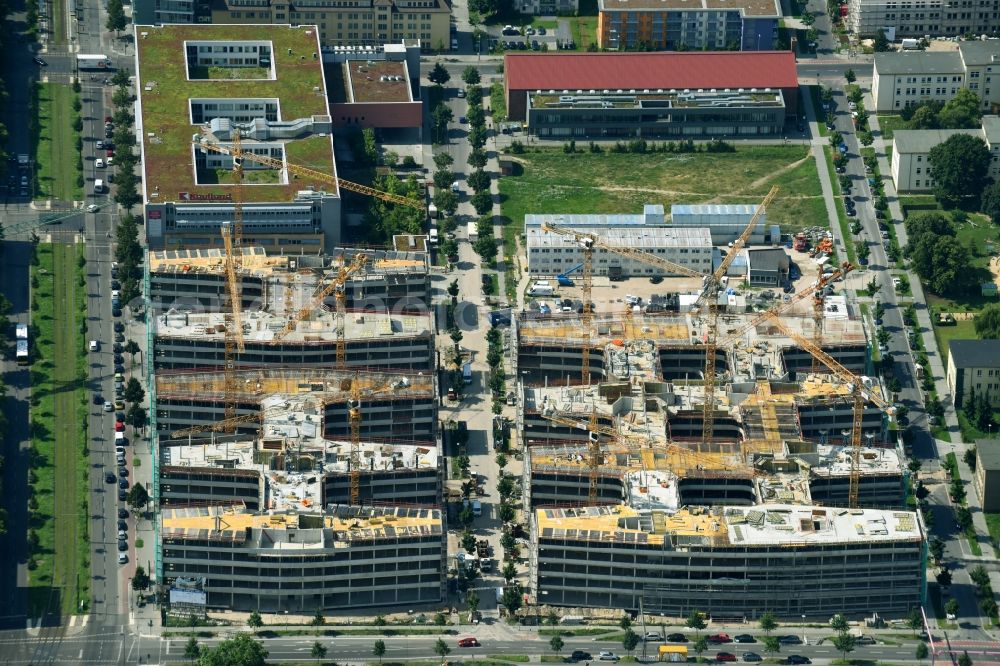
(473, 233)
(92, 61)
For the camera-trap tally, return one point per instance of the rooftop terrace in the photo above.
(765, 525)
(377, 81)
(165, 88)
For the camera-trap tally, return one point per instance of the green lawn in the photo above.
(993, 524)
(59, 570)
(845, 226)
(962, 330)
(59, 22)
(550, 181)
(890, 123)
(56, 155)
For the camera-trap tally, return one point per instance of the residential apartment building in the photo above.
(987, 474)
(546, 7)
(733, 562)
(349, 22)
(671, 25)
(974, 367)
(910, 78)
(911, 148)
(917, 18)
(301, 561)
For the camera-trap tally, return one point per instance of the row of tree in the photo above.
(963, 111)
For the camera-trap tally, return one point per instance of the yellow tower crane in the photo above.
(858, 392)
(709, 297)
(337, 284)
(232, 238)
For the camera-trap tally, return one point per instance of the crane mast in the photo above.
(233, 335)
(709, 295)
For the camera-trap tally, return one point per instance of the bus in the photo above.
(673, 653)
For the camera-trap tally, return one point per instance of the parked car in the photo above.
(652, 636)
(744, 638)
(123, 513)
(469, 641)
(719, 638)
(123, 484)
(122, 526)
(751, 656)
(677, 638)
(790, 639)
(123, 546)
(797, 659)
(607, 656)
(580, 655)
(110, 477)
(725, 656)
(40, 62)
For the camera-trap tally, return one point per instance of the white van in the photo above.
(477, 508)
(95, 345)
(541, 289)
(99, 163)
(433, 238)
(98, 186)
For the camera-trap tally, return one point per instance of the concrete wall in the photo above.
(376, 115)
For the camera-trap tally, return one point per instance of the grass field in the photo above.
(889, 124)
(993, 525)
(550, 181)
(964, 329)
(56, 154)
(60, 580)
(845, 227)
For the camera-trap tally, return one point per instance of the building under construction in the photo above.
(394, 407)
(301, 561)
(386, 323)
(732, 562)
(289, 465)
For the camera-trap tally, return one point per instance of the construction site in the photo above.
(696, 460)
(296, 309)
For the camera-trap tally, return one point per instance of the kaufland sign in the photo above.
(194, 196)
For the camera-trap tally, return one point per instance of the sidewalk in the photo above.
(825, 177)
(934, 355)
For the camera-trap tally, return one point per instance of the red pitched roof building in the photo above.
(652, 94)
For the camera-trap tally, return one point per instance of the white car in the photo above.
(99, 163)
(94, 346)
(607, 656)
(93, 208)
(111, 160)
(896, 282)
(115, 293)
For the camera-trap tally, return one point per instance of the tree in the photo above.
(552, 618)
(441, 115)
(241, 650)
(630, 640)
(443, 160)
(509, 571)
(501, 460)
(446, 201)
(468, 541)
(914, 620)
(943, 576)
(441, 648)
(840, 624)
(472, 601)
(140, 580)
(959, 167)
(556, 643)
(696, 621)
(850, 76)
(131, 348)
(844, 643)
(255, 621)
(987, 322)
(505, 487)
(378, 650)
(700, 645)
(318, 650)
(477, 158)
(508, 542)
(380, 621)
(137, 496)
(511, 598)
(767, 622)
(116, 16)
(951, 607)
(964, 659)
(980, 576)
(439, 75)
(963, 111)
(771, 644)
(923, 118)
(625, 622)
(191, 649)
(478, 180)
(482, 202)
(470, 76)
(922, 650)
(881, 42)
(936, 548)
(318, 619)
(506, 513)
(136, 416)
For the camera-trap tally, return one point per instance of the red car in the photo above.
(119, 426)
(719, 638)
(111, 153)
(725, 656)
(468, 642)
(107, 119)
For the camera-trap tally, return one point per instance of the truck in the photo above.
(541, 288)
(92, 61)
(483, 551)
(563, 278)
